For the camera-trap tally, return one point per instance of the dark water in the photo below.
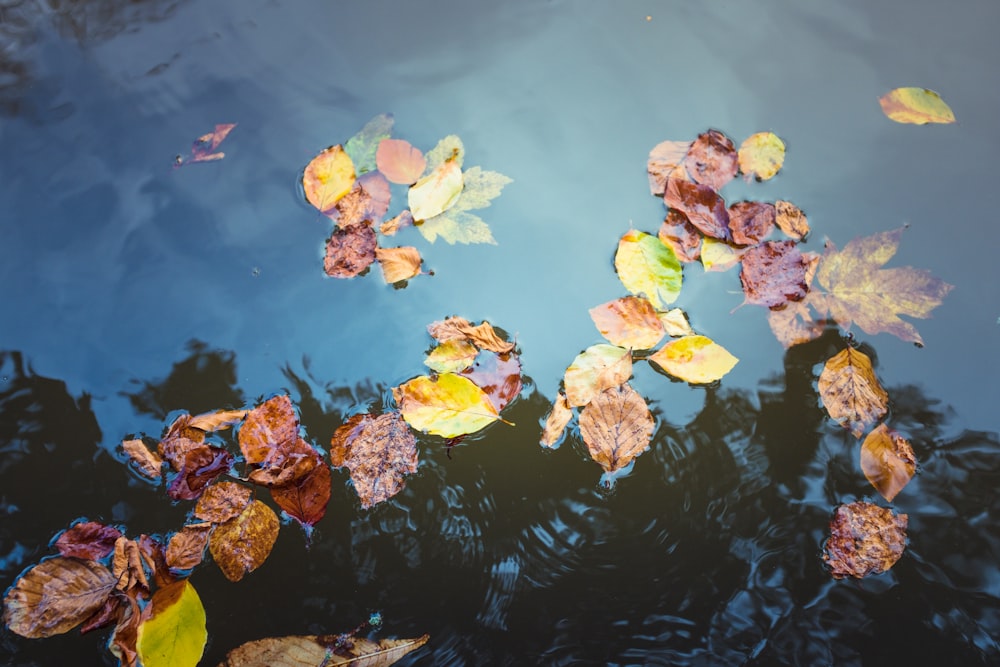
(132, 290)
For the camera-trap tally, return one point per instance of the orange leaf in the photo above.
(379, 451)
(146, 462)
(398, 264)
(630, 322)
(328, 177)
(242, 544)
(888, 461)
(349, 251)
(864, 539)
(399, 161)
(186, 548)
(791, 220)
(616, 426)
(850, 391)
(555, 422)
(223, 501)
(305, 499)
(215, 421)
(483, 335)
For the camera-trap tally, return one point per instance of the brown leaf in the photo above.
(110, 612)
(864, 539)
(223, 501)
(218, 420)
(270, 426)
(791, 220)
(306, 498)
(366, 203)
(393, 225)
(181, 427)
(201, 465)
(666, 161)
(773, 274)
(55, 596)
(712, 160)
(399, 264)
(850, 391)
(702, 205)
(127, 565)
(616, 426)
(186, 548)
(349, 251)
(287, 465)
(681, 236)
(88, 539)
(483, 335)
(498, 375)
(751, 221)
(174, 448)
(630, 322)
(203, 148)
(321, 651)
(888, 461)
(555, 422)
(241, 545)
(146, 462)
(155, 559)
(125, 636)
(379, 451)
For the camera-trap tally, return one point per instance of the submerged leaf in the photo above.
(203, 148)
(449, 405)
(379, 451)
(694, 359)
(850, 391)
(242, 544)
(762, 155)
(617, 427)
(399, 161)
(888, 461)
(630, 322)
(795, 324)
(648, 268)
(773, 274)
(328, 177)
(436, 192)
(556, 421)
(498, 375)
(350, 251)
(55, 596)
(321, 651)
(712, 160)
(916, 106)
(597, 368)
(719, 255)
(864, 539)
(172, 632)
(448, 149)
(451, 356)
(363, 145)
(366, 203)
(480, 188)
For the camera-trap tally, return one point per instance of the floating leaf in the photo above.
(915, 105)
(242, 544)
(305, 498)
(675, 323)
(449, 405)
(218, 420)
(864, 539)
(379, 451)
(321, 651)
(719, 255)
(399, 264)
(648, 268)
(363, 145)
(859, 292)
(145, 461)
(751, 221)
(630, 322)
(401, 221)
(399, 161)
(695, 359)
(701, 204)
(436, 192)
(498, 375)
(850, 391)
(791, 220)
(666, 160)
(795, 324)
(203, 148)
(888, 461)
(762, 155)
(457, 227)
(127, 565)
(328, 177)
(448, 149)
(223, 501)
(452, 356)
(349, 251)
(773, 274)
(482, 335)
(366, 203)
(681, 236)
(616, 426)
(200, 465)
(268, 427)
(712, 160)
(172, 632)
(556, 421)
(87, 539)
(597, 368)
(481, 187)
(55, 596)
(186, 547)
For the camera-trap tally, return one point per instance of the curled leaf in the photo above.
(55, 596)
(888, 461)
(482, 335)
(145, 461)
(616, 426)
(556, 421)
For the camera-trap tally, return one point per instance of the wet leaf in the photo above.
(349, 251)
(858, 291)
(268, 427)
(482, 335)
(379, 451)
(366, 203)
(399, 161)
(556, 421)
(55, 596)
(399, 264)
(712, 160)
(773, 274)
(498, 375)
(449, 405)
(850, 391)
(888, 461)
(172, 632)
(916, 105)
(218, 420)
(719, 255)
(200, 465)
(437, 192)
(223, 501)
(401, 221)
(203, 148)
(448, 149)
(328, 177)
(87, 539)
(675, 323)
(305, 498)
(795, 324)
(616, 426)
(452, 356)
(597, 368)
(791, 220)
(694, 359)
(321, 651)
(154, 557)
(127, 565)
(702, 205)
(363, 146)
(648, 268)
(666, 160)
(630, 322)
(110, 612)
(242, 544)
(762, 155)
(123, 639)
(145, 461)
(681, 236)
(186, 548)
(457, 227)
(864, 539)
(751, 221)
(287, 464)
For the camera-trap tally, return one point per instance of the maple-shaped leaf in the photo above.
(242, 544)
(556, 421)
(694, 359)
(203, 148)
(681, 236)
(888, 461)
(328, 177)
(773, 274)
(701, 204)
(916, 105)
(172, 632)
(379, 451)
(647, 267)
(629, 322)
(399, 264)
(858, 291)
(87, 539)
(448, 405)
(616, 427)
(761, 156)
(597, 368)
(457, 225)
(864, 539)
(451, 356)
(751, 221)
(482, 335)
(363, 146)
(666, 160)
(791, 220)
(712, 160)
(366, 203)
(851, 393)
(321, 651)
(448, 149)
(399, 161)
(498, 375)
(350, 251)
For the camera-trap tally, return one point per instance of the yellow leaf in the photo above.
(555, 422)
(321, 651)
(398, 264)
(648, 267)
(888, 461)
(451, 356)
(173, 634)
(616, 426)
(328, 177)
(850, 391)
(597, 368)
(242, 544)
(695, 359)
(791, 220)
(718, 255)
(915, 106)
(436, 192)
(449, 405)
(675, 323)
(457, 227)
(762, 155)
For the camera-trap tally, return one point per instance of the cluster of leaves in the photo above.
(350, 184)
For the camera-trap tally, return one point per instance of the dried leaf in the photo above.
(366, 203)
(712, 160)
(448, 405)
(399, 264)
(795, 324)
(616, 426)
(392, 226)
(241, 545)
(349, 251)
(217, 421)
(452, 356)
(123, 639)
(154, 557)
(186, 548)
(127, 565)
(888, 461)
(719, 255)
(457, 227)
(482, 335)
(172, 632)
(675, 323)
(751, 221)
(287, 465)
(915, 105)
(379, 451)
(223, 501)
(791, 220)
(399, 161)
(87, 539)
(363, 146)
(321, 651)
(648, 268)
(202, 464)
(203, 148)
(630, 322)
(556, 421)
(328, 177)
(681, 236)
(55, 596)
(597, 368)
(305, 499)
(773, 274)
(850, 391)
(666, 160)
(864, 539)
(762, 155)
(498, 375)
(694, 359)
(269, 440)
(701, 204)
(145, 461)
(437, 192)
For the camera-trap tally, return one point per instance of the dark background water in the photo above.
(132, 290)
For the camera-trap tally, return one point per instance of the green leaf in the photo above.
(449, 148)
(174, 634)
(481, 188)
(363, 145)
(648, 267)
(449, 405)
(452, 356)
(457, 227)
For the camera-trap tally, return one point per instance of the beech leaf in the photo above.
(328, 177)
(321, 651)
(916, 106)
(630, 322)
(218, 420)
(712, 160)
(242, 544)
(172, 632)
(349, 251)
(666, 160)
(222, 501)
(87, 539)
(186, 547)
(452, 356)
(694, 359)
(701, 204)
(751, 221)
(556, 421)
(791, 220)
(888, 461)
(597, 368)
(448, 405)
(55, 596)
(616, 427)
(268, 427)
(379, 452)
(773, 274)
(399, 264)
(305, 498)
(761, 156)
(482, 335)
(850, 391)
(647, 267)
(399, 161)
(864, 539)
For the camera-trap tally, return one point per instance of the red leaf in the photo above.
(773, 274)
(350, 251)
(712, 160)
(499, 375)
(305, 499)
(89, 540)
(751, 221)
(682, 237)
(702, 205)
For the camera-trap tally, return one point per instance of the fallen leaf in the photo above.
(203, 148)
(761, 156)
(363, 146)
(556, 421)
(498, 375)
(328, 177)
(349, 251)
(448, 405)
(186, 547)
(666, 160)
(172, 632)
(850, 391)
(242, 544)
(915, 105)
(399, 161)
(694, 359)
(127, 565)
(795, 323)
(268, 427)
(223, 501)
(675, 323)
(399, 264)
(366, 203)
(482, 335)
(379, 452)
(110, 612)
(597, 368)
(701, 204)
(630, 322)
(305, 498)
(773, 273)
(392, 226)
(200, 465)
(791, 220)
(457, 225)
(287, 464)
(481, 187)
(436, 192)
(681, 236)
(712, 160)
(321, 651)
(858, 291)
(125, 634)
(647, 267)
(448, 149)
(55, 596)
(864, 539)
(145, 461)
(154, 556)
(888, 461)
(719, 255)
(452, 356)
(751, 221)
(87, 539)
(218, 420)
(616, 427)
